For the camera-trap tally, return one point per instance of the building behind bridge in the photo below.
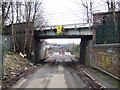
(106, 47)
(105, 29)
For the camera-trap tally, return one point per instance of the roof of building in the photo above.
(104, 13)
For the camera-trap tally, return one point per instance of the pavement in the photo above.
(52, 76)
(55, 78)
(106, 80)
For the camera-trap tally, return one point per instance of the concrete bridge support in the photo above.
(39, 50)
(83, 50)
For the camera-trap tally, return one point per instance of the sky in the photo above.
(64, 41)
(60, 12)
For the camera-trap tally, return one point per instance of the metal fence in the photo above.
(107, 34)
(7, 42)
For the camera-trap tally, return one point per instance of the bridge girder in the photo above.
(66, 33)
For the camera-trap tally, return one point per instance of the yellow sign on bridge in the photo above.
(59, 29)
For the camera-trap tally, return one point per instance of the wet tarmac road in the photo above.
(59, 74)
(51, 76)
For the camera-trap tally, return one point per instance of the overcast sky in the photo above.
(60, 12)
(64, 41)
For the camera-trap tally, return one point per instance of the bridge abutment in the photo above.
(39, 52)
(85, 42)
(82, 51)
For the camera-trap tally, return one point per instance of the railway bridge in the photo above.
(81, 30)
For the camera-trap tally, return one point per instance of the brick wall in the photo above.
(107, 57)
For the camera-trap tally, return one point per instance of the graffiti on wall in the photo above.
(107, 58)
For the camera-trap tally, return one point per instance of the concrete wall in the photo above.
(103, 56)
(88, 53)
(85, 51)
(42, 50)
(39, 50)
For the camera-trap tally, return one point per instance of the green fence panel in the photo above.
(107, 34)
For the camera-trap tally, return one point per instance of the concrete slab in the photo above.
(37, 83)
(105, 80)
(57, 81)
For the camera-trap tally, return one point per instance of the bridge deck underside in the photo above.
(88, 37)
(66, 33)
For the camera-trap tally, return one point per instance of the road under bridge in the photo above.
(81, 31)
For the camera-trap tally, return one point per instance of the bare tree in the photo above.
(27, 13)
(87, 6)
(0, 17)
(12, 24)
(6, 8)
(17, 6)
(5, 12)
(37, 10)
(32, 15)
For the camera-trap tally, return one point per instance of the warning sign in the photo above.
(59, 29)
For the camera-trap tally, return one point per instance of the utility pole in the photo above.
(114, 18)
(88, 19)
(91, 18)
(1, 57)
(108, 3)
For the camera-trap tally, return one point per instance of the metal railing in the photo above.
(77, 25)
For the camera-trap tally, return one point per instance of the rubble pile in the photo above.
(15, 67)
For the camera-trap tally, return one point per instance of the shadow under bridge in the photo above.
(82, 31)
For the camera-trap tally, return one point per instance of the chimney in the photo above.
(108, 6)
(112, 4)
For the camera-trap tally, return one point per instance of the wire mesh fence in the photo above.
(106, 34)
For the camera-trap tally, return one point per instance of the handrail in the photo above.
(77, 25)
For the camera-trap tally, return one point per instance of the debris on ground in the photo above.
(15, 67)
